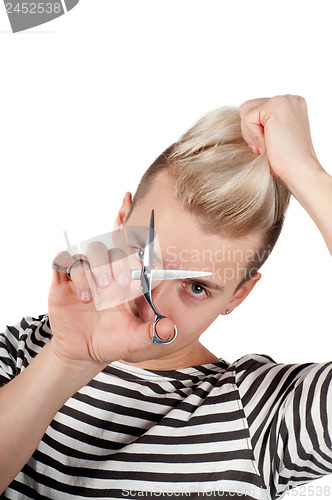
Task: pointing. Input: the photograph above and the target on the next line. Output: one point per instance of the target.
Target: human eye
(139, 252)
(195, 290)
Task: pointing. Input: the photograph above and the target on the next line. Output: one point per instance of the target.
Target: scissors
(146, 275)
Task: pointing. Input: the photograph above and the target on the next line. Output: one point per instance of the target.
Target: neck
(199, 356)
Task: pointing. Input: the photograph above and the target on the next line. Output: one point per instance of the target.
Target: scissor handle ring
(158, 340)
(75, 260)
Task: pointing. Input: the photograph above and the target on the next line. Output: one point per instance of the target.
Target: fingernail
(104, 280)
(254, 149)
(124, 280)
(86, 295)
(260, 150)
(67, 261)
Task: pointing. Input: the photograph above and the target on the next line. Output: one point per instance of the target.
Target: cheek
(192, 321)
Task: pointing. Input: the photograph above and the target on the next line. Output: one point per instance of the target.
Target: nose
(159, 298)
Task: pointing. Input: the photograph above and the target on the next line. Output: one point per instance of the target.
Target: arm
(288, 407)
(279, 126)
(28, 404)
(84, 340)
(313, 189)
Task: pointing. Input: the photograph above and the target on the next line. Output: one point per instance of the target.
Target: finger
(60, 264)
(142, 333)
(79, 277)
(251, 123)
(251, 104)
(118, 276)
(119, 238)
(253, 134)
(120, 267)
(98, 257)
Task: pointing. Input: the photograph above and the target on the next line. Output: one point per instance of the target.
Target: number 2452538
(33, 8)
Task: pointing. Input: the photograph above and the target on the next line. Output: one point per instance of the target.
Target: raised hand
(90, 314)
(279, 126)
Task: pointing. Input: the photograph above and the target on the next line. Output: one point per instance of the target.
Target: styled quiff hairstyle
(218, 179)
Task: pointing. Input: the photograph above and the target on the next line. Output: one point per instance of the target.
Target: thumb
(165, 329)
(143, 333)
(60, 264)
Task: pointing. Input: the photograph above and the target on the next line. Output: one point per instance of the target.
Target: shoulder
(260, 379)
(253, 360)
(257, 370)
(21, 342)
(38, 329)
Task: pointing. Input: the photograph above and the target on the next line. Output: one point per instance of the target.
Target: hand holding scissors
(146, 275)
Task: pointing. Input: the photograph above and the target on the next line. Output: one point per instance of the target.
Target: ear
(123, 212)
(242, 293)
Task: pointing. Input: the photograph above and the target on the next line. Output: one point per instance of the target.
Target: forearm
(313, 189)
(28, 404)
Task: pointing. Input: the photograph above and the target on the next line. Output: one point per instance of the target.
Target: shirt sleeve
(289, 414)
(20, 343)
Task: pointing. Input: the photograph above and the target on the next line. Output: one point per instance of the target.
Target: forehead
(182, 242)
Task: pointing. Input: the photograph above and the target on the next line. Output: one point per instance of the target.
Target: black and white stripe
(253, 428)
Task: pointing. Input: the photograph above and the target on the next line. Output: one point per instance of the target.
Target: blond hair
(228, 188)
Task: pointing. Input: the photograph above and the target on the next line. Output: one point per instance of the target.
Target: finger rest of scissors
(158, 340)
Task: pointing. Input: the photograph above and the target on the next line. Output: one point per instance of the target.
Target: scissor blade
(176, 274)
(149, 246)
(168, 274)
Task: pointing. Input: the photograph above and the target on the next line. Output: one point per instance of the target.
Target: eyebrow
(211, 285)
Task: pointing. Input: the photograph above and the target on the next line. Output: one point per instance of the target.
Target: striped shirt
(251, 429)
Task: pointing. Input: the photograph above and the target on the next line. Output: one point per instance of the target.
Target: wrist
(301, 176)
(74, 373)
(312, 188)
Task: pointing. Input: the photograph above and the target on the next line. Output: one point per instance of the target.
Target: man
(101, 412)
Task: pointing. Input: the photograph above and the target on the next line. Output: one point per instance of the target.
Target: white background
(89, 100)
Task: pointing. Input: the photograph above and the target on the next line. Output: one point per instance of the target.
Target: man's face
(183, 245)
